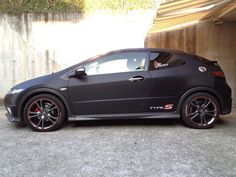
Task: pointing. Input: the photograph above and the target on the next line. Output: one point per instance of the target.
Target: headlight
(14, 91)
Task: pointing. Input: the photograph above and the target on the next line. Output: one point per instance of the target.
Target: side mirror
(80, 72)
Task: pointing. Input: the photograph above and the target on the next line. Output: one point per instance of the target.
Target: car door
(115, 83)
(167, 81)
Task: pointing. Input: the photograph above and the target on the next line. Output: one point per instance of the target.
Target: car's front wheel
(44, 113)
(200, 110)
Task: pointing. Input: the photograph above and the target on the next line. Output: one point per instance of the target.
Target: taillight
(218, 74)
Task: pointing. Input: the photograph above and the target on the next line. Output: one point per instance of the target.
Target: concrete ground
(140, 148)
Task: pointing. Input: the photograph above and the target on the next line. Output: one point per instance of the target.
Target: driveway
(139, 148)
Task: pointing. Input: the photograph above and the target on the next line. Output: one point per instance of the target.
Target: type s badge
(165, 107)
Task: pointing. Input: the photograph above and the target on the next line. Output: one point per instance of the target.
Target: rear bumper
(224, 93)
(226, 107)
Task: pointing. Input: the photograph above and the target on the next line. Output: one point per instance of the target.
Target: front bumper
(12, 114)
(11, 104)
(12, 119)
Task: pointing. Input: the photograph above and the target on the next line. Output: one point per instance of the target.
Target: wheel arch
(39, 91)
(196, 90)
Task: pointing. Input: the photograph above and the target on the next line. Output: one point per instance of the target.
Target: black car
(130, 83)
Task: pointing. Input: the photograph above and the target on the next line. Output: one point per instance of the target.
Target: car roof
(147, 49)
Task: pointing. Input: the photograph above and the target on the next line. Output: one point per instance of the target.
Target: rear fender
(199, 89)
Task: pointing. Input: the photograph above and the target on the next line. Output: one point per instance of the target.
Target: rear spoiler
(209, 62)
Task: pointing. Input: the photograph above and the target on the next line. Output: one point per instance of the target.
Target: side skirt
(124, 116)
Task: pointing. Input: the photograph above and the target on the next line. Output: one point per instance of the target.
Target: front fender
(37, 91)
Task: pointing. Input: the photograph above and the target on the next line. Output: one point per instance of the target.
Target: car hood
(43, 80)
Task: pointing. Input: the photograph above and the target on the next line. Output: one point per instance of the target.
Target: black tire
(44, 113)
(200, 110)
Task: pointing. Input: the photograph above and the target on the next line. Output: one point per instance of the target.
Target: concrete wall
(213, 41)
(24, 53)
(33, 44)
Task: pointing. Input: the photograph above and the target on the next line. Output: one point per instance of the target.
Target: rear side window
(163, 60)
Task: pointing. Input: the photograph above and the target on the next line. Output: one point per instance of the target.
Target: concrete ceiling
(182, 13)
(230, 16)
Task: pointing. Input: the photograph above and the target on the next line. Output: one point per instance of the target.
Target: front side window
(117, 63)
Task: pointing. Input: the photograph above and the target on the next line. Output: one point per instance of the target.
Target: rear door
(115, 83)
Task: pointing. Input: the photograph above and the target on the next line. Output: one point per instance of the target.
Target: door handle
(136, 79)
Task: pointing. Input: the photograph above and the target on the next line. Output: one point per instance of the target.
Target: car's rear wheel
(44, 113)
(200, 110)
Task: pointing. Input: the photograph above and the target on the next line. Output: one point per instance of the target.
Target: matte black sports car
(131, 83)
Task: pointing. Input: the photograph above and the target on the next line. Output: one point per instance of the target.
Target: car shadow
(115, 122)
(20, 125)
(222, 121)
(225, 121)
(125, 122)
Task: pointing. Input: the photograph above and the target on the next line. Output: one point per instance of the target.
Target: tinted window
(158, 60)
(117, 63)
(163, 60)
